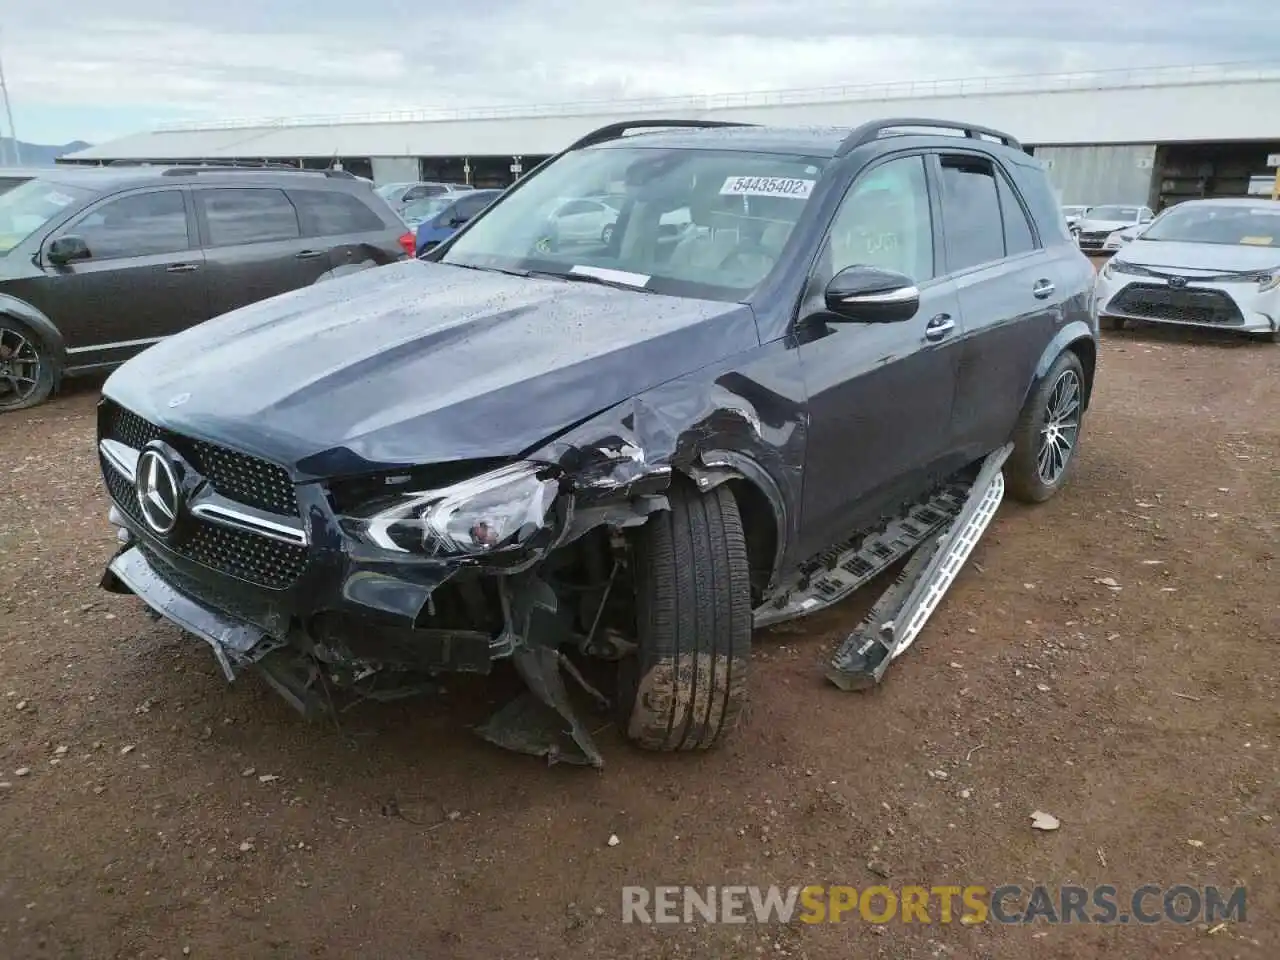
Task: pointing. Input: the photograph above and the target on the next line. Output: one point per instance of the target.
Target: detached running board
(836, 574)
(903, 609)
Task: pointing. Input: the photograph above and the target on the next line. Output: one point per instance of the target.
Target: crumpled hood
(1193, 257)
(419, 362)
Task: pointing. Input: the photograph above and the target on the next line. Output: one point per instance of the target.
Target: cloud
(82, 69)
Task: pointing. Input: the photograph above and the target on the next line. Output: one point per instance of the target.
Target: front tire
(687, 683)
(1047, 433)
(27, 373)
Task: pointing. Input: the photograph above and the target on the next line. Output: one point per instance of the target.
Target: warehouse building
(1154, 136)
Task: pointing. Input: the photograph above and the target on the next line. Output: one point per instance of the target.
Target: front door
(880, 394)
(144, 278)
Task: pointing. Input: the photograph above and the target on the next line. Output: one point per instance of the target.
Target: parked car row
(97, 264)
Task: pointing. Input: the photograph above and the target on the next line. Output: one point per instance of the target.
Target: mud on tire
(687, 683)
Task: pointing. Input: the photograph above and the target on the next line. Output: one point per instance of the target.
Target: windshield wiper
(589, 278)
(509, 272)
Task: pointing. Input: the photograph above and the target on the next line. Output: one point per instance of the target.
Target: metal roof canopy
(1153, 105)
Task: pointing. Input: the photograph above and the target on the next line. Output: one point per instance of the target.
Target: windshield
(28, 207)
(426, 209)
(1237, 224)
(1075, 211)
(1113, 213)
(702, 223)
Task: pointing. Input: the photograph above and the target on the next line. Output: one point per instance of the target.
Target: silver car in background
(1202, 263)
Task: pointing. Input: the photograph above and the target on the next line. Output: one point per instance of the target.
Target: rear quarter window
(1033, 184)
(326, 213)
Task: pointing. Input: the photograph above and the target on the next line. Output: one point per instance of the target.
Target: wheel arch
(50, 336)
(1078, 338)
(760, 505)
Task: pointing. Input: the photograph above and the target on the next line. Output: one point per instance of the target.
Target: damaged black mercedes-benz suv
(630, 440)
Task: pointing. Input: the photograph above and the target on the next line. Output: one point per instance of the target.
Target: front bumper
(1160, 298)
(352, 612)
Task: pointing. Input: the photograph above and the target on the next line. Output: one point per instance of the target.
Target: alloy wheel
(19, 367)
(1061, 428)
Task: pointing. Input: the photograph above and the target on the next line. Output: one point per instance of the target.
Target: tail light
(409, 242)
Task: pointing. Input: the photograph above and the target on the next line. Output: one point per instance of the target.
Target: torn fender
(742, 419)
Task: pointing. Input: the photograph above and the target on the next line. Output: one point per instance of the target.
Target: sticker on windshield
(1257, 241)
(614, 276)
(58, 199)
(767, 187)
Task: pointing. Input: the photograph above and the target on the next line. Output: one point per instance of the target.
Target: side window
(884, 221)
(249, 215)
(469, 207)
(415, 193)
(326, 213)
(578, 206)
(1018, 237)
(139, 225)
(971, 212)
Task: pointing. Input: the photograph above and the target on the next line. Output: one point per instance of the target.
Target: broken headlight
(507, 510)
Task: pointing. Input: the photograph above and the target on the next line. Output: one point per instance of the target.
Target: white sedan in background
(1093, 229)
(1202, 263)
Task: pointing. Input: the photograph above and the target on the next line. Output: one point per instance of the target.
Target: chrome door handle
(309, 254)
(1043, 289)
(181, 268)
(939, 327)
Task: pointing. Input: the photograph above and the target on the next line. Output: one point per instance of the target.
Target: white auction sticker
(768, 187)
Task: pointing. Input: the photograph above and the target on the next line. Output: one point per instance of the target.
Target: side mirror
(66, 249)
(871, 295)
(458, 220)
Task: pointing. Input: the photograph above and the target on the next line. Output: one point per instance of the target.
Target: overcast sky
(96, 70)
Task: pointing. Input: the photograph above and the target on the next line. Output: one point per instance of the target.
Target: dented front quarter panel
(743, 418)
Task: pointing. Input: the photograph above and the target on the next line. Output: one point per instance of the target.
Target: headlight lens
(1269, 280)
(503, 511)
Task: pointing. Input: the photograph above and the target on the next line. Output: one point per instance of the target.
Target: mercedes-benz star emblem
(159, 495)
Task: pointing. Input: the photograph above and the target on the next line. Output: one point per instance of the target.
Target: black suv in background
(98, 263)
(629, 449)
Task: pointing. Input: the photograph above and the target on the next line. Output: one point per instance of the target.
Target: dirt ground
(148, 823)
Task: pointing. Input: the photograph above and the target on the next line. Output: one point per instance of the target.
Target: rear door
(346, 228)
(144, 280)
(254, 245)
(1009, 302)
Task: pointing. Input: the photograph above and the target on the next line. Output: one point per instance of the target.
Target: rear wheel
(27, 372)
(687, 683)
(606, 235)
(1047, 433)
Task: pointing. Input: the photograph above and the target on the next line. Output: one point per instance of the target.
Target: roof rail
(190, 170)
(615, 130)
(868, 132)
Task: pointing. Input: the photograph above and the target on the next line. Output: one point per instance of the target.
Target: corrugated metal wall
(1120, 173)
(395, 169)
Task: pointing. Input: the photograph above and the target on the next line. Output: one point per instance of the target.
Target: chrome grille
(236, 553)
(238, 476)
